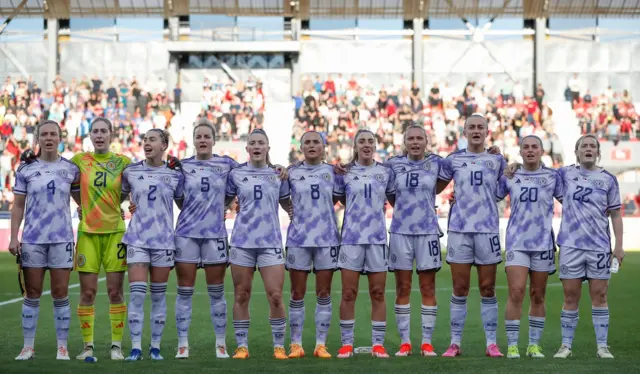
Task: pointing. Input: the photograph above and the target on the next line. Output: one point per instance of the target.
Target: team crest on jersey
(166, 179)
(427, 166)
(380, 177)
(598, 183)
(82, 260)
(63, 173)
(272, 178)
(111, 165)
(489, 164)
(510, 256)
(564, 269)
(326, 176)
(542, 181)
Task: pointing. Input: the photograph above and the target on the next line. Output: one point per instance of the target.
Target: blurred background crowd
(336, 107)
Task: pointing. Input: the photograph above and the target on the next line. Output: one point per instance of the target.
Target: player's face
(312, 146)
(258, 147)
(365, 146)
(588, 152)
(49, 138)
(476, 131)
(100, 136)
(152, 144)
(531, 151)
(203, 140)
(415, 142)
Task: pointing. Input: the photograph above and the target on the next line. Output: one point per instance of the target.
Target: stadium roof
(305, 9)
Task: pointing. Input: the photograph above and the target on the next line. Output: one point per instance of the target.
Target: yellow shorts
(94, 250)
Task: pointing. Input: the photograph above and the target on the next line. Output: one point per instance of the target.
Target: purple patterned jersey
(153, 190)
(314, 219)
(588, 197)
(259, 191)
(415, 184)
(202, 214)
(532, 194)
(48, 187)
(475, 177)
(366, 189)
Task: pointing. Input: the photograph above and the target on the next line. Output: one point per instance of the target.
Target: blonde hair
(475, 115)
(414, 127)
(354, 158)
(261, 132)
(579, 143)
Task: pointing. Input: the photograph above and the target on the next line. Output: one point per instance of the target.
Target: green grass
(624, 335)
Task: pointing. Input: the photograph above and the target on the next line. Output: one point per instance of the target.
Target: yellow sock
(117, 314)
(86, 316)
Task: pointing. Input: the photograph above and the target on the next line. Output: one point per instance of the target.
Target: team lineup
(204, 186)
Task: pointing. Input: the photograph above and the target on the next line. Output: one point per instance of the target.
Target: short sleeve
(75, 185)
(232, 189)
(503, 165)
(126, 187)
(285, 190)
(613, 195)
(179, 192)
(446, 169)
(391, 183)
(503, 189)
(338, 186)
(20, 187)
(558, 191)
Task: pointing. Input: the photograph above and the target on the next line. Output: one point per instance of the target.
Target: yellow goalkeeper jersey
(100, 188)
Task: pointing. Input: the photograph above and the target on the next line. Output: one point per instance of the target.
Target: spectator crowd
(611, 115)
(234, 108)
(338, 107)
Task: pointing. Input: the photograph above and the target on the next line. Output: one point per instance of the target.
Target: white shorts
(365, 258)
(256, 257)
(580, 264)
(424, 249)
(156, 258)
(52, 255)
(201, 251)
(473, 248)
(544, 261)
(316, 258)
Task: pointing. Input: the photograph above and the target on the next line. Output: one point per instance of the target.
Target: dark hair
(104, 120)
(404, 136)
(39, 126)
(262, 132)
(354, 158)
(579, 142)
(203, 122)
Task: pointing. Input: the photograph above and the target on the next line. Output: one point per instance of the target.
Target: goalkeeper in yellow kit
(100, 234)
